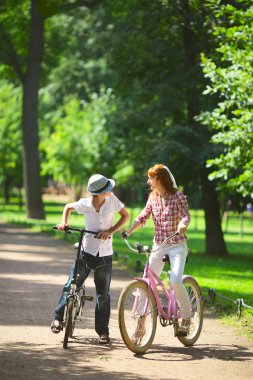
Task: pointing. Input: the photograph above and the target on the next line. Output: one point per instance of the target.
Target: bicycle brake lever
(67, 230)
(138, 246)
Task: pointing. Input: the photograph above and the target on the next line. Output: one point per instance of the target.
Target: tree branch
(51, 9)
(81, 3)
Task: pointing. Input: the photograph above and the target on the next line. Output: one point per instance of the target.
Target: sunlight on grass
(230, 276)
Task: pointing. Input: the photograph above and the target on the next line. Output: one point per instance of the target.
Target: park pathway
(33, 268)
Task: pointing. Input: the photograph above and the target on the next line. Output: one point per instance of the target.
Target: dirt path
(32, 271)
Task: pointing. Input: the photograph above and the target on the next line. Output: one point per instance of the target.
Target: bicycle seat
(166, 259)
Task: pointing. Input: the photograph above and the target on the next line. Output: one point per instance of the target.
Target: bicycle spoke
(137, 316)
(195, 298)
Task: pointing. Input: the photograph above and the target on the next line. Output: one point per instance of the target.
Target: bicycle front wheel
(137, 316)
(69, 321)
(195, 296)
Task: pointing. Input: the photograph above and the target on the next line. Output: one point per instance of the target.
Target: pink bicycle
(147, 297)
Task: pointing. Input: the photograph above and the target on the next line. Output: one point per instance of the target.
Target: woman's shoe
(184, 328)
(139, 332)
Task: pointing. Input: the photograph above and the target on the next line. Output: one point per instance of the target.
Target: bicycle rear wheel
(69, 321)
(195, 296)
(137, 316)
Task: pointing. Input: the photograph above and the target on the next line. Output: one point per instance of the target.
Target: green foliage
(14, 38)
(230, 74)
(67, 41)
(124, 172)
(73, 52)
(158, 84)
(10, 136)
(73, 150)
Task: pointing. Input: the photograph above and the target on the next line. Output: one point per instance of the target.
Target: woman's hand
(181, 228)
(124, 234)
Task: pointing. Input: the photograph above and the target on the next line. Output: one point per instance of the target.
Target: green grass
(230, 276)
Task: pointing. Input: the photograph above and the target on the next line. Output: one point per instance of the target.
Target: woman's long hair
(160, 172)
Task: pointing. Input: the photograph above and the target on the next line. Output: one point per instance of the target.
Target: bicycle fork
(81, 297)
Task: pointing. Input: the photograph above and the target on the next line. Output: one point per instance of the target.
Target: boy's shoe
(104, 339)
(56, 326)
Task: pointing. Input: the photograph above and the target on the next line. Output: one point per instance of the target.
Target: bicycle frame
(153, 281)
(82, 231)
(143, 300)
(73, 282)
(75, 297)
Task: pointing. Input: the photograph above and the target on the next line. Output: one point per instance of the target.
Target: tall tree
(25, 62)
(157, 65)
(74, 149)
(31, 82)
(21, 51)
(10, 139)
(194, 16)
(230, 73)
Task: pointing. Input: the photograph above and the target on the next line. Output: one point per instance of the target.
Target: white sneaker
(139, 332)
(184, 328)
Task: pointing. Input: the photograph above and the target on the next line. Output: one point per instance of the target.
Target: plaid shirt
(166, 213)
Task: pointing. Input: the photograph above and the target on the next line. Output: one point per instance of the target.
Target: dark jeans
(102, 267)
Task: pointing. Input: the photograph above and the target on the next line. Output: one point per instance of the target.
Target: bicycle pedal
(88, 298)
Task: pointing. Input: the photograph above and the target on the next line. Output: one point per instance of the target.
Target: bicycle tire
(69, 328)
(197, 311)
(130, 308)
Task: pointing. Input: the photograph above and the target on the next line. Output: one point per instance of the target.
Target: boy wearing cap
(98, 211)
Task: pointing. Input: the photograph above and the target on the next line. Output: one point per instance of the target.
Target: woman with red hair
(169, 209)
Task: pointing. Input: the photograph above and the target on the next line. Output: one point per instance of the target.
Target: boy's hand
(104, 234)
(62, 227)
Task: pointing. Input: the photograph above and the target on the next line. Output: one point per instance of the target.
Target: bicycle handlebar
(144, 249)
(69, 229)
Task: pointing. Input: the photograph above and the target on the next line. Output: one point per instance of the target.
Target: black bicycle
(76, 297)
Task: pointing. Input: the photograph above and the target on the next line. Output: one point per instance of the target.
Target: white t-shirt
(98, 221)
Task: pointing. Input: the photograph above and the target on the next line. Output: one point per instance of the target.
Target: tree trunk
(215, 244)
(31, 164)
(6, 188)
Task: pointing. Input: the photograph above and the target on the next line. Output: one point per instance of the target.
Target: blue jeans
(102, 267)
